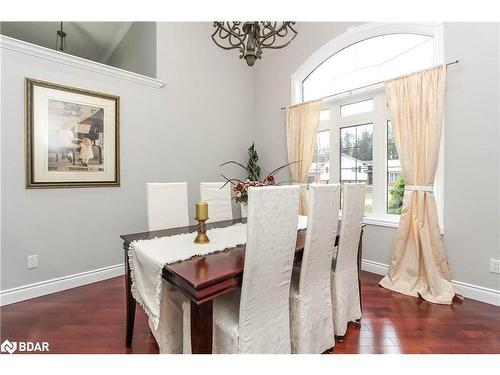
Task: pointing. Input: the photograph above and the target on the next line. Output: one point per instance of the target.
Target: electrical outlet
(32, 261)
(495, 265)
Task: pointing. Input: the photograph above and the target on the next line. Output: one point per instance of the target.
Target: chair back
(353, 207)
(167, 205)
(322, 224)
(219, 200)
(264, 319)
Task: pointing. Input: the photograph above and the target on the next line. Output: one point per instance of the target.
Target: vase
(244, 209)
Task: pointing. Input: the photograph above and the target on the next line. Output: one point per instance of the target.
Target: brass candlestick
(201, 216)
(201, 238)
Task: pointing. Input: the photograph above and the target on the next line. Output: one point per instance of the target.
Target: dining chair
(346, 302)
(311, 323)
(167, 205)
(256, 319)
(218, 199)
(168, 208)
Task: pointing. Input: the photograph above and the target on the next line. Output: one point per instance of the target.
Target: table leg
(201, 327)
(130, 301)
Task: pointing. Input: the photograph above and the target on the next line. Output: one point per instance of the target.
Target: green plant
(252, 166)
(396, 196)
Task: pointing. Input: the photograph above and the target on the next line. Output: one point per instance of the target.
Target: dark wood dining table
(201, 279)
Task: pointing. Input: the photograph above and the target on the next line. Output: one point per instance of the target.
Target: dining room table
(203, 278)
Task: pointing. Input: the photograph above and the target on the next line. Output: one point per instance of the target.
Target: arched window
(355, 142)
(369, 61)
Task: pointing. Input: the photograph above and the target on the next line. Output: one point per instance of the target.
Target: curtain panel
(418, 265)
(302, 122)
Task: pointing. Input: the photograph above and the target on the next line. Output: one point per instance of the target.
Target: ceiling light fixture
(61, 39)
(250, 38)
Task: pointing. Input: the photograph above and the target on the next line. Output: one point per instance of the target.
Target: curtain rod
(350, 91)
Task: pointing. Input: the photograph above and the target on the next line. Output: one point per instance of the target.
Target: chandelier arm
(271, 26)
(281, 32)
(223, 46)
(227, 34)
(236, 28)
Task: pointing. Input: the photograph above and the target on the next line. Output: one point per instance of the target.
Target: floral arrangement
(240, 188)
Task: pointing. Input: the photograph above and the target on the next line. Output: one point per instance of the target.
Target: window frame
(378, 117)
(315, 153)
(357, 34)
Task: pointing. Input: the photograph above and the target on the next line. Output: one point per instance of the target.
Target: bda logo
(24, 346)
(8, 346)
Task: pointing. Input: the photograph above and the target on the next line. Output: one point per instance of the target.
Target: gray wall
(209, 101)
(137, 50)
(472, 209)
(202, 117)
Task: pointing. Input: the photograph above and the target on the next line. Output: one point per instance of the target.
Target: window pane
(324, 114)
(369, 61)
(356, 108)
(320, 166)
(395, 181)
(356, 158)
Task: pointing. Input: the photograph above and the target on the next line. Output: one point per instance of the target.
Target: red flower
(270, 180)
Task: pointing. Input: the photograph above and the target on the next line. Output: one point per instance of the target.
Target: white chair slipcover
(257, 319)
(219, 200)
(311, 323)
(168, 208)
(167, 205)
(345, 288)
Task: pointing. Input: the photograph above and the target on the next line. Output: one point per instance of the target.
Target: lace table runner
(148, 257)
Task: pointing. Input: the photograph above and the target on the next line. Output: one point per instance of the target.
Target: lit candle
(201, 211)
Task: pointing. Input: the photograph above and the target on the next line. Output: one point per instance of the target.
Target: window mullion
(334, 144)
(378, 167)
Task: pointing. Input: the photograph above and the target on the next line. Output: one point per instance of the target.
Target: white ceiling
(91, 40)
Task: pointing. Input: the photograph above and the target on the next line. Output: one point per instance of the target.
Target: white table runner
(148, 257)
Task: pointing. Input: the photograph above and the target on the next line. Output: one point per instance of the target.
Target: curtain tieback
(419, 188)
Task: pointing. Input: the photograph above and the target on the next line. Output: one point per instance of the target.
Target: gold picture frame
(72, 136)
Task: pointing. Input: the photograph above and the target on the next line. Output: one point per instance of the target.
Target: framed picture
(72, 137)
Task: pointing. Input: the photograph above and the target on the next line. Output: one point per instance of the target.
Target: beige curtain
(418, 265)
(302, 122)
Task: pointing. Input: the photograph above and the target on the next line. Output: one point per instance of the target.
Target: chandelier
(250, 38)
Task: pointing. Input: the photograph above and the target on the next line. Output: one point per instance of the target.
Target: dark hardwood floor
(91, 319)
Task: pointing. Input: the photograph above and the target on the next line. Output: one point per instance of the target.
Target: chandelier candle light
(250, 38)
(201, 217)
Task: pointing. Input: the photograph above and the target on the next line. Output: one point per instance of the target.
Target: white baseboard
(374, 267)
(475, 292)
(478, 293)
(25, 292)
